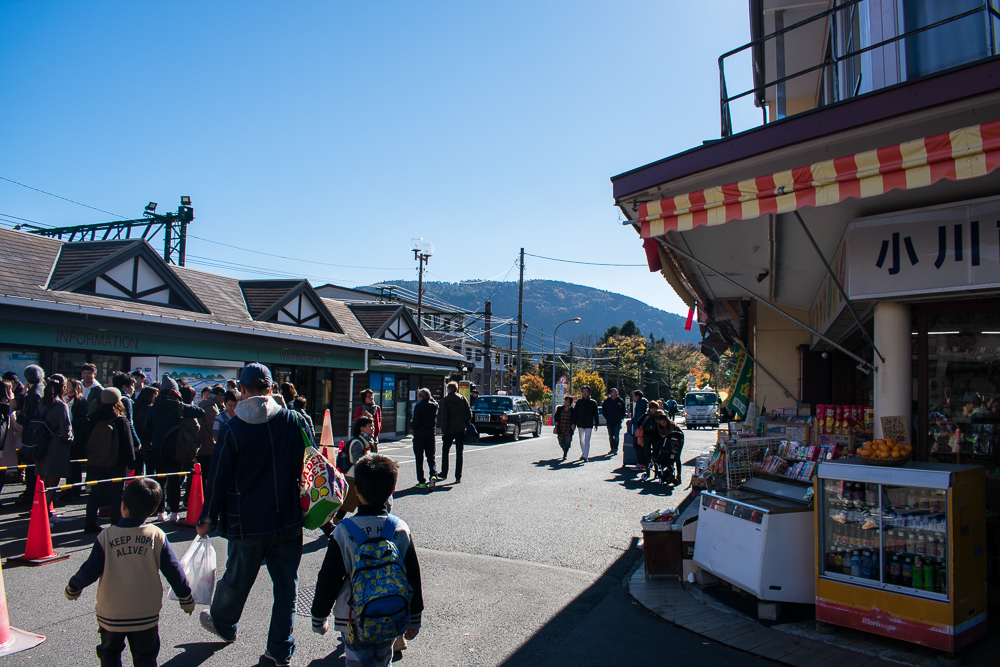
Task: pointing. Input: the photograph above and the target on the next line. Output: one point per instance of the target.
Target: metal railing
(832, 60)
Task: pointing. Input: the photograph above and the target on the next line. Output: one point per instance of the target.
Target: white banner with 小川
(941, 249)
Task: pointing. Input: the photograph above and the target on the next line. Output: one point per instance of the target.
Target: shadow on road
(558, 464)
(630, 479)
(548, 638)
(198, 653)
(414, 491)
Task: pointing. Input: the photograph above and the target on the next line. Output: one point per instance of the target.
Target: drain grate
(303, 606)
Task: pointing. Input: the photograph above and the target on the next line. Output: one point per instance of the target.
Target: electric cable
(2, 178)
(573, 261)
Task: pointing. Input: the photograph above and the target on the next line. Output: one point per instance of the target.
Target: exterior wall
(776, 342)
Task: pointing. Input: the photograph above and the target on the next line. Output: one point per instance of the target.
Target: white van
(701, 408)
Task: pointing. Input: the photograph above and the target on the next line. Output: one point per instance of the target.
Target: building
(118, 305)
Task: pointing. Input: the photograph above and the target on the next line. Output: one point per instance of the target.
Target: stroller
(665, 455)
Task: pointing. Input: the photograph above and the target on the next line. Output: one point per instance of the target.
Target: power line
(8, 215)
(296, 259)
(573, 261)
(122, 217)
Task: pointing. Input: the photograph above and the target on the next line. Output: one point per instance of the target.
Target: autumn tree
(533, 388)
(592, 380)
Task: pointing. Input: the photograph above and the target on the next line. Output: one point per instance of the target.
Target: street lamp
(421, 252)
(574, 319)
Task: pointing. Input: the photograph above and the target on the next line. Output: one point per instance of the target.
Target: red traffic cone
(196, 500)
(326, 437)
(38, 550)
(13, 640)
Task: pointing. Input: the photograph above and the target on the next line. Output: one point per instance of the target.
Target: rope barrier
(32, 465)
(65, 487)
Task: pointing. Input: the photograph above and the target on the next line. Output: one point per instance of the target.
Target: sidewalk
(797, 643)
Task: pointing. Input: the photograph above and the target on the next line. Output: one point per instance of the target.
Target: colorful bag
(321, 489)
(380, 592)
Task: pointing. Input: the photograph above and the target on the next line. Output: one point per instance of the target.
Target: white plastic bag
(198, 565)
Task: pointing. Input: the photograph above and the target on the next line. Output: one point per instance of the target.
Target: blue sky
(334, 132)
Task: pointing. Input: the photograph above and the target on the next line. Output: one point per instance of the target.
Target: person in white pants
(586, 417)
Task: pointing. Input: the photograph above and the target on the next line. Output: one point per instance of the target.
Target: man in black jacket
(455, 415)
(613, 410)
(424, 424)
(34, 376)
(586, 416)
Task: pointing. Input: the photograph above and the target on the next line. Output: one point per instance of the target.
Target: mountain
(549, 302)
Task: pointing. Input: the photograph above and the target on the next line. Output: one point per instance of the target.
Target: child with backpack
(109, 455)
(371, 572)
(128, 558)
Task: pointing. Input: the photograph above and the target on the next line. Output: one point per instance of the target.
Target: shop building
(851, 240)
(118, 305)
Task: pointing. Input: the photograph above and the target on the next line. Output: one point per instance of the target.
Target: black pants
(204, 461)
(446, 440)
(424, 447)
(614, 429)
(29, 479)
(162, 461)
(105, 493)
(77, 451)
(144, 645)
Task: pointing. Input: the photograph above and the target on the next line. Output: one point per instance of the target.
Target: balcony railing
(834, 89)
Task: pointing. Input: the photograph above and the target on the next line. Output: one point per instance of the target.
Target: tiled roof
(30, 259)
(373, 317)
(262, 294)
(76, 257)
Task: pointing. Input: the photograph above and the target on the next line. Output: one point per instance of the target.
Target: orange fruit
(896, 454)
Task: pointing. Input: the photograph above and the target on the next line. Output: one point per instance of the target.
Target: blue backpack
(380, 594)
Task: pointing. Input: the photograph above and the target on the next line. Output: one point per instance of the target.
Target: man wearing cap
(213, 406)
(163, 421)
(253, 499)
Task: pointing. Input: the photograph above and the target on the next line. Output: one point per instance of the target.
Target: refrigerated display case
(901, 551)
(759, 538)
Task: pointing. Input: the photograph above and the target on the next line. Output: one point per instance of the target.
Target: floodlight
(151, 207)
(185, 201)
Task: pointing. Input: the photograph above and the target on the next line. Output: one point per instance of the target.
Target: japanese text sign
(897, 428)
(941, 249)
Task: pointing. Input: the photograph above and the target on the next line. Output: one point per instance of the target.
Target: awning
(961, 154)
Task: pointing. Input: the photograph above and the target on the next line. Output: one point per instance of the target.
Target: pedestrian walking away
(253, 499)
(424, 425)
(671, 408)
(110, 455)
(613, 410)
(586, 417)
(166, 420)
(563, 420)
(455, 416)
(130, 595)
(382, 543)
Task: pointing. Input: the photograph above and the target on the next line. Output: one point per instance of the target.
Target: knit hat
(33, 373)
(167, 383)
(111, 396)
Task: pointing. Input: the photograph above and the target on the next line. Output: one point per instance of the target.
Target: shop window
(468, 354)
(69, 364)
(479, 355)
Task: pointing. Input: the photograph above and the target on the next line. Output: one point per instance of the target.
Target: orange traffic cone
(38, 550)
(196, 500)
(326, 437)
(13, 640)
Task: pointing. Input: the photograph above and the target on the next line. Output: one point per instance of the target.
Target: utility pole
(421, 252)
(571, 368)
(520, 323)
(618, 363)
(487, 355)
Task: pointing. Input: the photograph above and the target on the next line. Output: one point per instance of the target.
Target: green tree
(592, 380)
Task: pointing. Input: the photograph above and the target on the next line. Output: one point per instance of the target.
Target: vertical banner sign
(739, 390)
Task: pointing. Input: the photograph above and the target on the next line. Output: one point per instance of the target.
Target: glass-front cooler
(901, 551)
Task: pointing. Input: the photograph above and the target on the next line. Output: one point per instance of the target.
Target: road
(523, 563)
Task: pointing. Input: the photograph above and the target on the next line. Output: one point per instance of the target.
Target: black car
(505, 416)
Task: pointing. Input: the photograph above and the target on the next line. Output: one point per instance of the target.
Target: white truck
(701, 408)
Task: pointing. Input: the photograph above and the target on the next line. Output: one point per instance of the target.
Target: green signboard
(739, 390)
(126, 342)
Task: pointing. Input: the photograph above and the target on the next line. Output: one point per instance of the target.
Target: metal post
(779, 63)
(520, 321)
(420, 290)
(487, 355)
(571, 368)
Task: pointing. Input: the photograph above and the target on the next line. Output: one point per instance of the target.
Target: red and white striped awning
(961, 154)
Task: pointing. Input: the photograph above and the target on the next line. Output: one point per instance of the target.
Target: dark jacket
(424, 421)
(139, 421)
(205, 439)
(163, 416)
(129, 406)
(81, 425)
(253, 479)
(613, 410)
(455, 413)
(639, 412)
(32, 399)
(585, 413)
(126, 451)
(557, 420)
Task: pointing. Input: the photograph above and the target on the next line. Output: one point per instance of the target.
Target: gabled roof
(387, 321)
(288, 302)
(121, 269)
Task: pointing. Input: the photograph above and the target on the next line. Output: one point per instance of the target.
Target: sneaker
(55, 518)
(91, 528)
(173, 518)
(164, 516)
(441, 476)
(458, 480)
(421, 485)
(206, 622)
(279, 663)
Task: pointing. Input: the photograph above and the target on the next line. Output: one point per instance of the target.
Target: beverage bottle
(918, 573)
(895, 571)
(911, 543)
(831, 559)
(876, 565)
(921, 545)
(866, 565)
(856, 564)
(906, 573)
(847, 562)
(838, 561)
(930, 575)
(942, 576)
(932, 548)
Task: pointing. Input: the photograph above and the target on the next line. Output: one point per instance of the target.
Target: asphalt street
(523, 563)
